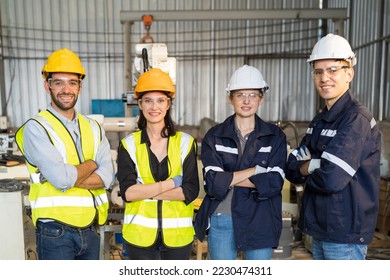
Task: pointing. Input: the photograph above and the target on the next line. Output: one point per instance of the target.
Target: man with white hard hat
(244, 160)
(338, 160)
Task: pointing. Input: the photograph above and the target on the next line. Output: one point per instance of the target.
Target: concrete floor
(298, 252)
(379, 249)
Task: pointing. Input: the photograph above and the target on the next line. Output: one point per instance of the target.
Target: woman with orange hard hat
(158, 177)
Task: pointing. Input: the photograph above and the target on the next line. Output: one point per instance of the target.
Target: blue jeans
(158, 251)
(222, 245)
(335, 251)
(56, 241)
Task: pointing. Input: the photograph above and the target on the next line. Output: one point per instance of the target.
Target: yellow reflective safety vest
(142, 218)
(76, 207)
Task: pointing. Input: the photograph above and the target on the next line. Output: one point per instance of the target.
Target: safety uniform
(340, 199)
(144, 219)
(75, 207)
(256, 213)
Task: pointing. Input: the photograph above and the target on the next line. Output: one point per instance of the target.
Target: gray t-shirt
(225, 207)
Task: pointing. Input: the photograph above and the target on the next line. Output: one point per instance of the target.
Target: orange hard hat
(154, 80)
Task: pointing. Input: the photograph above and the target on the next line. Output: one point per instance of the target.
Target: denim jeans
(56, 241)
(222, 245)
(335, 251)
(158, 251)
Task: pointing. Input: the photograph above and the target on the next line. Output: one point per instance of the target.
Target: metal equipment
(6, 142)
(7, 139)
(18, 233)
(154, 55)
(149, 55)
(148, 20)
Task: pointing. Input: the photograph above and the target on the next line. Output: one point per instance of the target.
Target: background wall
(207, 53)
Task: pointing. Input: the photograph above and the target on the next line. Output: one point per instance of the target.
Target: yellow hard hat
(154, 80)
(63, 60)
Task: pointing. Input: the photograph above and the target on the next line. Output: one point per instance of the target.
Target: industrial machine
(149, 54)
(153, 55)
(17, 233)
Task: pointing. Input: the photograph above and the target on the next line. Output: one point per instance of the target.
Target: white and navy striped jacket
(340, 200)
(256, 213)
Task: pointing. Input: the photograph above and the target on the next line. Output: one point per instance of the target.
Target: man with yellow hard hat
(69, 161)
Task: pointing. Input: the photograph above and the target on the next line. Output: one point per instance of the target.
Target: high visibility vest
(76, 206)
(141, 220)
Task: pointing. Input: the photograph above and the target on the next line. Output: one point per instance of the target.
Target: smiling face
(246, 102)
(64, 89)
(332, 84)
(154, 106)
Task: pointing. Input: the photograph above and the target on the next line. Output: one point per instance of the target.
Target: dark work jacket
(340, 199)
(256, 213)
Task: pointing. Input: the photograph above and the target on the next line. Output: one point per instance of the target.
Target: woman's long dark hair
(170, 127)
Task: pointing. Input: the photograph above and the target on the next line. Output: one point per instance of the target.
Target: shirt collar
(341, 105)
(145, 137)
(61, 117)
(228, 128)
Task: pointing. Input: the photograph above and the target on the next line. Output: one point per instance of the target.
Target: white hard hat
(333, 47)
(247, 77)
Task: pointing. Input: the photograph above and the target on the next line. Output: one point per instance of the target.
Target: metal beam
(336, 13)
(3, 97)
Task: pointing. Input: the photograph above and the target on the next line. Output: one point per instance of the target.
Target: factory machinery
(17, 233)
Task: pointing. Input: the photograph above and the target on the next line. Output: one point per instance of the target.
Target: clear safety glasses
(250, 96)
(160, 102)
(58, 84)
(330, 72)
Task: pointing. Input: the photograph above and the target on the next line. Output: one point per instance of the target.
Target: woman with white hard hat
(244, 160)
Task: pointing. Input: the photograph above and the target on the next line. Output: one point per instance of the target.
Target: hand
(303, 153)
(178, 181)
(313, 165)
(259, 170)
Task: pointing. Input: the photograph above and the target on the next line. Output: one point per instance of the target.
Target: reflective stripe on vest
(76, 206)
(141, 217)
